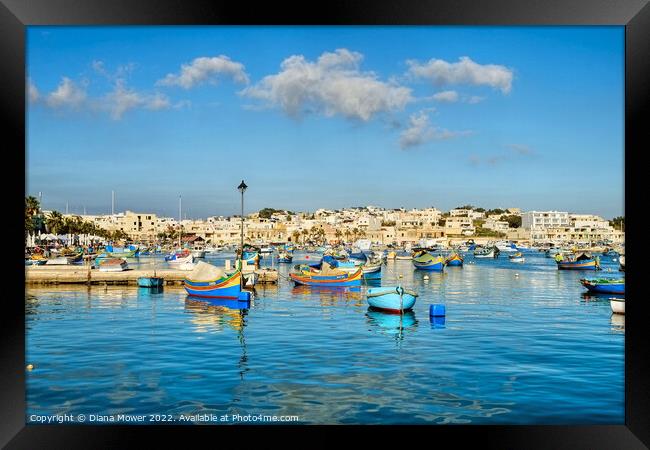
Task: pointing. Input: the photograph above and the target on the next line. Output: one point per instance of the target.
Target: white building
(541, 220)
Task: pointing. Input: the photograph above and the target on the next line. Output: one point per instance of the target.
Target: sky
(325, 117)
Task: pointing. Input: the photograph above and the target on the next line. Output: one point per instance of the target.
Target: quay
(71, 274)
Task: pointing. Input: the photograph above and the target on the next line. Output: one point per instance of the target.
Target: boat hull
(343, 280)
(226, 287)
(455, 261)
(577, 265)
(604, 288)
(617, 305)
(388, 299)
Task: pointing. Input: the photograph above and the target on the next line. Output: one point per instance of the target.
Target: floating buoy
(400, 275)
(437, 310)
(516, 274)
(30, 366)
(426, 277)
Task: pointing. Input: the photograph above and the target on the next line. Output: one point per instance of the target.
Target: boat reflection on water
(618, 322)
(390, 323)
(437, 322)
(594, 297)
(331, 295)
(212, 314)
(148, 291)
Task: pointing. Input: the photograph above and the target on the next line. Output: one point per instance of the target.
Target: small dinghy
(150, 282)
(391, 299)
(617, 305)
(517, 257)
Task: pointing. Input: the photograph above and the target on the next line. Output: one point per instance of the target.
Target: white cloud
(333, 85)
(474, 99)
(67, 94)
(446, 96)
(32, 92)
(123, 99)
(420, 131)
(206, 69)
(465, 71)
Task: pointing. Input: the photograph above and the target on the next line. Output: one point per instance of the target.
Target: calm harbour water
(521, 344)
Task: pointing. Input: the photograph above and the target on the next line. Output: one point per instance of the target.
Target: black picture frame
(15, 15)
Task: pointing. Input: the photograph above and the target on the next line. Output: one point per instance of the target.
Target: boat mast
(180, 223)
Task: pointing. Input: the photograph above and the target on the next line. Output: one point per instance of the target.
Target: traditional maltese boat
(391, 299)
(209, 281)
(327, 276)
(427, 261)
(604, 285)
(285, 257)
(580, 261)
(486, 252)
(454, 259)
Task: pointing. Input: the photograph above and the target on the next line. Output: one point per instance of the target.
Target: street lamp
(242, 188)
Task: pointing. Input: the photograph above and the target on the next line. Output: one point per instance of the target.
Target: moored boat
(427, 261)
(404, 255)
(112, 264)
(285, 257)
(486, 252)
(327, 277)
(617, 305)
(391, 299)
(454, 259)
(371, 270)
(207, 280)
(576, 261)
(604, 285)
(516, 257)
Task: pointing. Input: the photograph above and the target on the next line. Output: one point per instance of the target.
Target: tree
(618, 223)
(338, 234)
(514, 221)
(54, 222)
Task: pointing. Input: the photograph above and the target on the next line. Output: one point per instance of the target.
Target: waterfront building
(540, 220)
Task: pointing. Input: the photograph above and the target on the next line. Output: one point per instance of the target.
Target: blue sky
(530, 117)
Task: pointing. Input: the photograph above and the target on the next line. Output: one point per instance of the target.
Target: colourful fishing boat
(516, 257)
(454, 259)
(285, 257)
(326, 277)
(391, 299)
(581, 261)
(209, 281)
(404, 255)
(427, 261)
(604, 285)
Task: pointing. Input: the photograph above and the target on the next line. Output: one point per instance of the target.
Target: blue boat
(150, 282)
(604, 285)
(285, 257)
(427, 261)
(454, 259)
(579, 261)
(251, 257)
(393, 299)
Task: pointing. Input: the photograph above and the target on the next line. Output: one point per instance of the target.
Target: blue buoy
(437, 310)
(244, 296)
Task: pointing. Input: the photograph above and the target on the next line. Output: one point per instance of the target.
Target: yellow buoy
(30, 366)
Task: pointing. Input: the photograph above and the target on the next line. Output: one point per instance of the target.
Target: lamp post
(242, 188)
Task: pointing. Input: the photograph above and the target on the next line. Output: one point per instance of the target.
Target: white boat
(268, 249)
(517, 257)
(198, 252)
(113, 265)
(180, 261)
(621, 260)
(506, 246)
(617, 305)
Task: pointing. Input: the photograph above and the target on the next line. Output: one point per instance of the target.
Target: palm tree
(32, 207)
(295, 235)
(54, 222)
(305, 233)
(338, 235)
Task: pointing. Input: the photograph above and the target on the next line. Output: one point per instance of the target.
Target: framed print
(372, 219)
